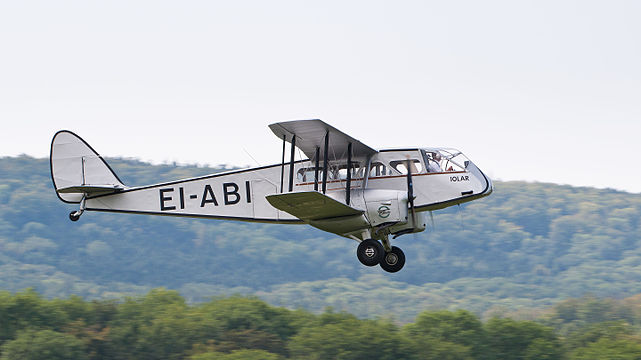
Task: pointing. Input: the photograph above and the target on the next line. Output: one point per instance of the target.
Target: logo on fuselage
(384, 211)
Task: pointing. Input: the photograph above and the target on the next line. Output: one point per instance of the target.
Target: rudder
(77, 170)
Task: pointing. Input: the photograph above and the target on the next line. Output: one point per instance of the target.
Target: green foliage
(239, 313)
(237, 355)
(588, 334)
(510, 339)
(345, 337)
(609, 349)
(578, 313)
(445, 334)
(161, 325)
(28, 309)
(542, 349)
(43, 344)
(153, 326)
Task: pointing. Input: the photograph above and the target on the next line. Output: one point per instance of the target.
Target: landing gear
(370, 252)
(393, 260)
(74, 216)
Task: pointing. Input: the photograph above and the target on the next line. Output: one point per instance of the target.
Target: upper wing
(310, 134)
(311, 205)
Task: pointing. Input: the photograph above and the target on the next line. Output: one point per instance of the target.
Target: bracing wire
(250, 155)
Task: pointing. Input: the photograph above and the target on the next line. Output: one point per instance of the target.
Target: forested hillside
(527, 245)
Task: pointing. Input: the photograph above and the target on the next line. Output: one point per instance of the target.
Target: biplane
(343, 187)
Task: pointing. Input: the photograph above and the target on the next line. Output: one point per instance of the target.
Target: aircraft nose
(488, 187)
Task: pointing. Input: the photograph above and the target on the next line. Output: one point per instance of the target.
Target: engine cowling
(389, 209)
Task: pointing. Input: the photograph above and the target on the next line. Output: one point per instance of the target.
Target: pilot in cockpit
(434, 163)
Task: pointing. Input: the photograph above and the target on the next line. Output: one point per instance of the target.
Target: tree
(349, 338)
(542, 349)
(241, 313)
(439, 334)
(237, 355)
(154, 326)
(27, 309)
(588, 334)
(43, 344)
(609, 349)
(509, 339)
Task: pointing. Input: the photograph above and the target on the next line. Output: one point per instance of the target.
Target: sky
(546, 91)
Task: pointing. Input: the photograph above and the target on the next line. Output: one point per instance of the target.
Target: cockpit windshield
(442, 160)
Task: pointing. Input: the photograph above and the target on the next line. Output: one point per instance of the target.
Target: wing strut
(410, 193)
(348, 188)
(325, 161)
(282, 166)
(316, 169)
(291, 164)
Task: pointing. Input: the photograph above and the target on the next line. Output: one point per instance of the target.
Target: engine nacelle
(409, 226)
(385, 206)
(389, 209)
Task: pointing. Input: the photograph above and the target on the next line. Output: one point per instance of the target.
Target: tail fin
(77, 170)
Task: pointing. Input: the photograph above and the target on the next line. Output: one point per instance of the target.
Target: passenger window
(300, 175)
(401, 166)
(307, 175)
(357, 172)
(333, 173)
(378, 169)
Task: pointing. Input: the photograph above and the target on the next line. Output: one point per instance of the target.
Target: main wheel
(73, 216)
(370, 252)
(394, 260)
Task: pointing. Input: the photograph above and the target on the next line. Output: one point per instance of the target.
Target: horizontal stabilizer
(91, 189)
(311, 205)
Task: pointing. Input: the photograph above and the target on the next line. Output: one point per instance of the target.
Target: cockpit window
(401, 166)
(444, 160)
(433, 160)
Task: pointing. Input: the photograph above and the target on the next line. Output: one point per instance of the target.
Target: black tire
(394, 260)
(73, 216)
(370, 252)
